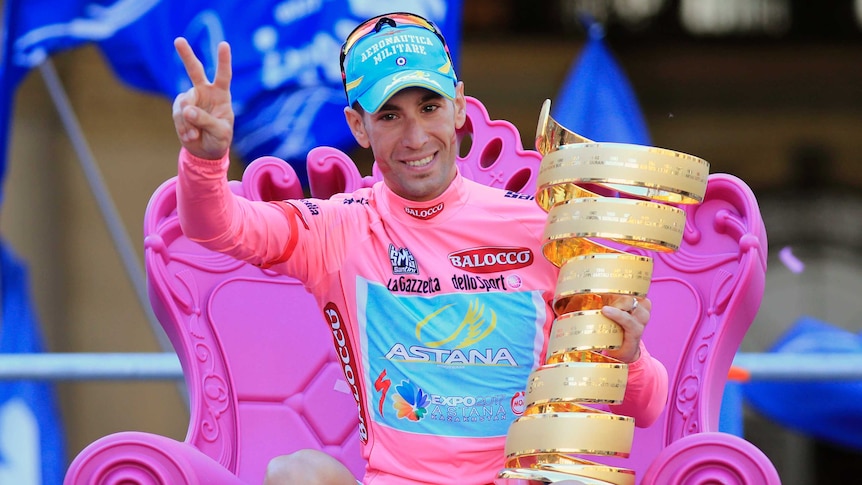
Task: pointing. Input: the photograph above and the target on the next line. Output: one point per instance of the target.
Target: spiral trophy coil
(558, 424)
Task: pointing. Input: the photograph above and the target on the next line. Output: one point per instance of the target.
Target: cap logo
(411, 76)
(352, 84)
(396, 44)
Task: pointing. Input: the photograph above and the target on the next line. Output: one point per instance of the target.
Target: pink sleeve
(646, 390)
(210, 214)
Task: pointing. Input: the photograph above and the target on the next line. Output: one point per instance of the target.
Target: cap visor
(373, 99)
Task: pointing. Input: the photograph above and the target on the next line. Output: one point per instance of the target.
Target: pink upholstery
(263, 379)
(256, 356)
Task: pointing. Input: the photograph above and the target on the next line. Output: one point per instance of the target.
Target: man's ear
(357, 127)
(460, 105)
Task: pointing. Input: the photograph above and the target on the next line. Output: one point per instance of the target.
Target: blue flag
(827, 410)
(596, 100)
(286, 87)
(32, 442)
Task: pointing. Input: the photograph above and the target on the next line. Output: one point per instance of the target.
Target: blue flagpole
(103, 199)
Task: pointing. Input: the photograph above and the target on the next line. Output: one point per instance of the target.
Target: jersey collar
(435, 211)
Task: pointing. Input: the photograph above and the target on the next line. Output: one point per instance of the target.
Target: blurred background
(767, 90)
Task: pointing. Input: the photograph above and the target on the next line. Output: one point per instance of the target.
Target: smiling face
(413, 140)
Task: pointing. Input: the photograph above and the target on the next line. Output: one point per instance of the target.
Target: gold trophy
(585, 237)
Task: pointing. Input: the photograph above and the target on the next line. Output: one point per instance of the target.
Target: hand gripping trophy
(586, 236)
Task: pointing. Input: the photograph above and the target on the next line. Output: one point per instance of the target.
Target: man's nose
(414, 135)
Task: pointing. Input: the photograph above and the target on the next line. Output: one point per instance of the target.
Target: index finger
(194, 67)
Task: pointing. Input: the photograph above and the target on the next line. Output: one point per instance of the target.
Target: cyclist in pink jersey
(434, 286)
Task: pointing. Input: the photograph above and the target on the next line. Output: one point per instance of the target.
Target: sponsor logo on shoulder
(424, 213)
(491, 259)
(354, 200)
(313, 208)
(517, 195)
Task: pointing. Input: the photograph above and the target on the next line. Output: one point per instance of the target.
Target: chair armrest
(146, 459)
(711, 457)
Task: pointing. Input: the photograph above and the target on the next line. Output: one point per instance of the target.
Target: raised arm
(209, 212)
(203, 115)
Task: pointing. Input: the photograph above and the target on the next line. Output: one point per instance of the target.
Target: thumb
(186, 98)
(204, 120)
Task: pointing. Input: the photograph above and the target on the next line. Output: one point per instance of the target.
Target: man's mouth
(419, 163)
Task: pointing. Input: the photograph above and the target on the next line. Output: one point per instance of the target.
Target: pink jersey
(439, 310)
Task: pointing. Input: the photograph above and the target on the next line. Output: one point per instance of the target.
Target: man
(438, 283)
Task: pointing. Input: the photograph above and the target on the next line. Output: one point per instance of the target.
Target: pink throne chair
(264, 380)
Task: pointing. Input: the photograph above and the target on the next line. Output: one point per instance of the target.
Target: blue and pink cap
(395, 56)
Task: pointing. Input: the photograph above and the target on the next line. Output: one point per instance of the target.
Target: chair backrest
(257, 355)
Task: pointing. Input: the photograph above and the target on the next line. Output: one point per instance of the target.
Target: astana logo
(473, 329)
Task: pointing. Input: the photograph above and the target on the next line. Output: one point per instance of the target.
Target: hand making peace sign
(203, 115)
